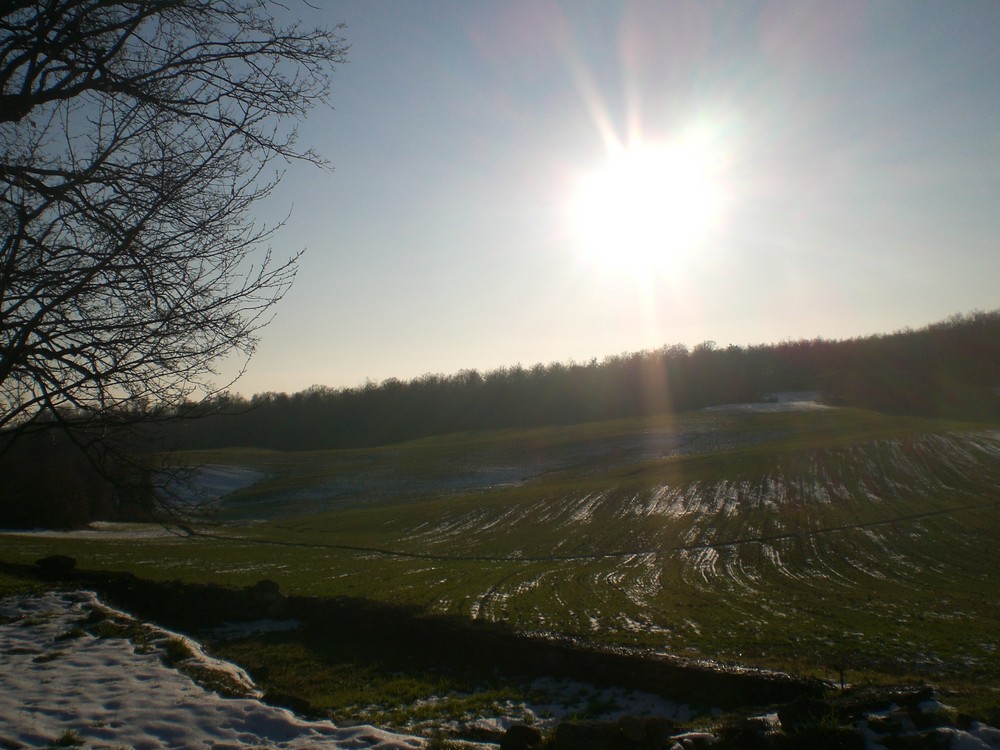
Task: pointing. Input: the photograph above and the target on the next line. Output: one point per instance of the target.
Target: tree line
(951, 368)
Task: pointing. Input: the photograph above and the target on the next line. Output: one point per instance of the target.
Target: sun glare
(648, 205)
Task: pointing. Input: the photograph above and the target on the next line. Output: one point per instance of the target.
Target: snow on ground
(60, 686)
(198, 487)
(784, 401)
(554, 701)
(57, 680)
(977, 736)
(209, 482)
(102, 530)
(573, 698)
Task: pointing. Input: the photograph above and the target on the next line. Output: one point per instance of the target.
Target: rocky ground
(864, 719)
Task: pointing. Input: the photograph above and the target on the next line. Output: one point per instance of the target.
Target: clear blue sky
(849, 152)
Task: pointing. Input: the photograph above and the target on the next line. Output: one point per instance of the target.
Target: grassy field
(815, 542)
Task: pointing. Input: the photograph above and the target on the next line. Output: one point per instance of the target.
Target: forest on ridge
(947, 369)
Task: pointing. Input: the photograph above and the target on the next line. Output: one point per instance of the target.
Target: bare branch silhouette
(135, 138)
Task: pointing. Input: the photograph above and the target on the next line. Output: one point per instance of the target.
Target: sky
(537, 181)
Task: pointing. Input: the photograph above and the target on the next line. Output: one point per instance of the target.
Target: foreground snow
(55, 680)
(60, 686)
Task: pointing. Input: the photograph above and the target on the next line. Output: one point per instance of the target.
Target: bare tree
(135, 137)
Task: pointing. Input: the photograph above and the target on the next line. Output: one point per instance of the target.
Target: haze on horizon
(540, 181)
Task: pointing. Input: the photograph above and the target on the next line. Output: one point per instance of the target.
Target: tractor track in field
(619, 554)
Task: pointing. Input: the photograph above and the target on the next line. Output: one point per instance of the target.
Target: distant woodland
(951, 368)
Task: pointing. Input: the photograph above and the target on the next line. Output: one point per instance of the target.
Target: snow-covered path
(56, 680)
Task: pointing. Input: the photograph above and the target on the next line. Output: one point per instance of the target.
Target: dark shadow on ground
(444, 642)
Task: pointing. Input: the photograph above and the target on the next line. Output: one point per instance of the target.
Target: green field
(809, 541)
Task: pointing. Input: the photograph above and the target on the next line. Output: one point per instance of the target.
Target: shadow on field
(446, 642)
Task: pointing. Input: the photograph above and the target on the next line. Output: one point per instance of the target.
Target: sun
(648, 205)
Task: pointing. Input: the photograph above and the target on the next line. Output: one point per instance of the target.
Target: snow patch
(56, 679)
(207, 483)
(784, 401)
(102, 530)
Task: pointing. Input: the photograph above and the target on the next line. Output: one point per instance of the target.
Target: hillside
(840, 543)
